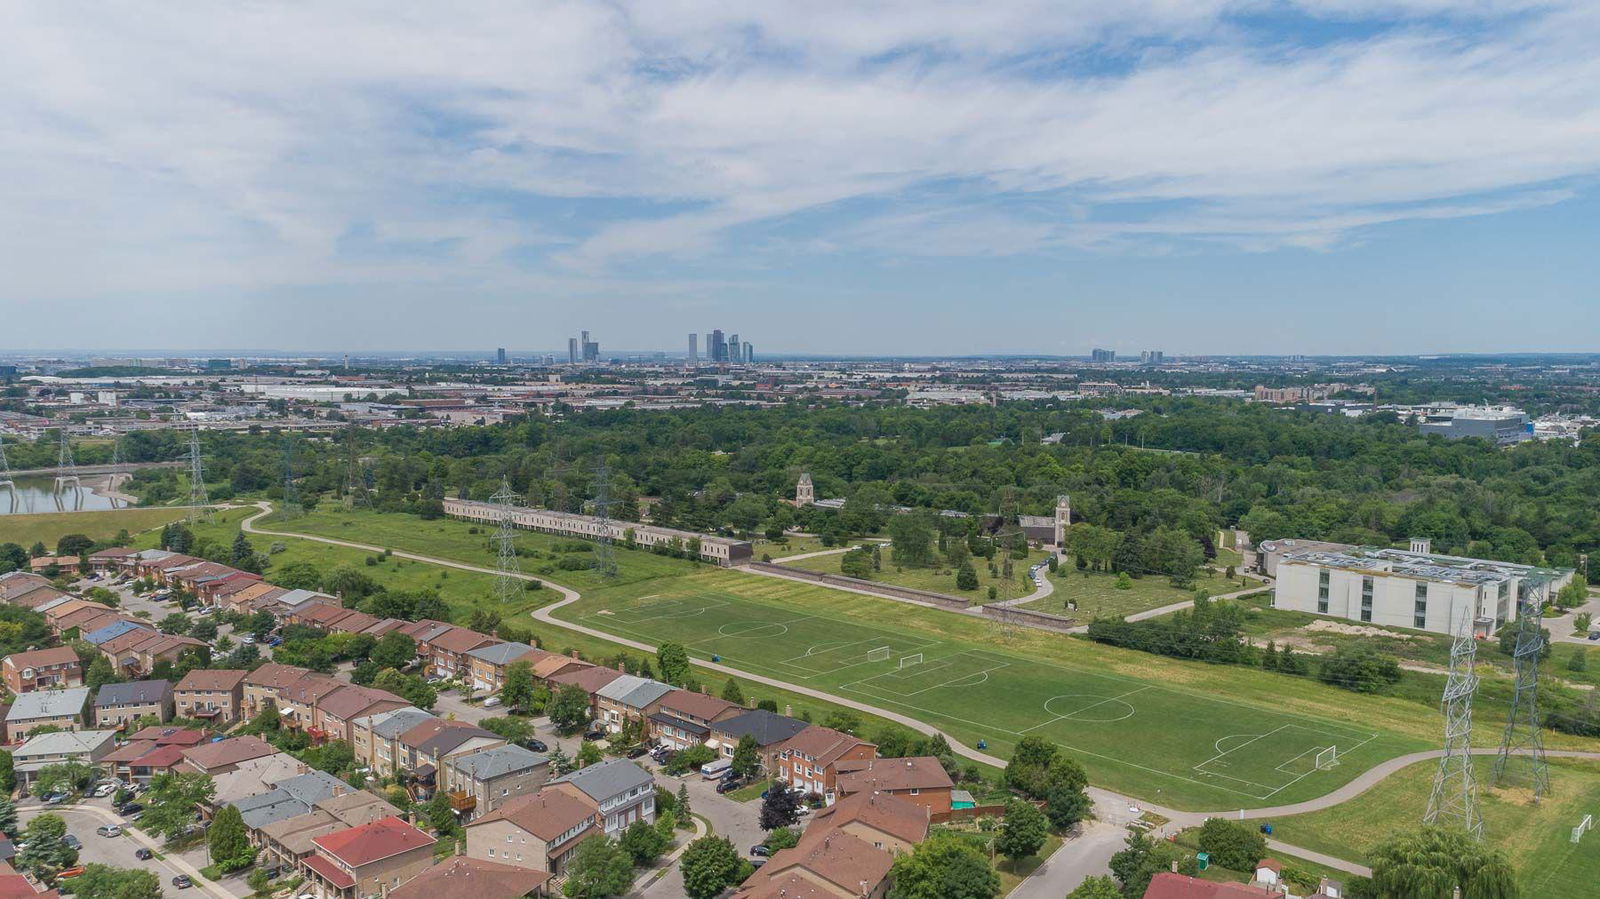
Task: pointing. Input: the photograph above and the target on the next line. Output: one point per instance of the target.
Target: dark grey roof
(390, 725)
(500, 653)
(767, 727)
(489, 764)
(603, 780)
(688, 727)
(293, 797)
(139, 692)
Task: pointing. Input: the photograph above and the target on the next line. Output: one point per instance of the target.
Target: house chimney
(573, 653)
(1174, 866)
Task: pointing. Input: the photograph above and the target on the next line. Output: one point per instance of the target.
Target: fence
(890, 590)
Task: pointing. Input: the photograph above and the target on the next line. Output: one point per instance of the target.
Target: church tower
(1063, 518)
(804, 493)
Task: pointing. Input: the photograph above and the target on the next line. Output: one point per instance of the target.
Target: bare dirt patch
(1354, 630)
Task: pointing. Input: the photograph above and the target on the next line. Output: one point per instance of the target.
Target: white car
(491, 702)
(248, 639)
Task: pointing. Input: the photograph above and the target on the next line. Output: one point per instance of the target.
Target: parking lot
(149, 610)
(84, 817)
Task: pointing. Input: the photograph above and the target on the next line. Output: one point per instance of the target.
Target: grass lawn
(795, 546)
(1191, 736)
(103, 524)
(1097, 595)
(750, 791)
(447, 538)
(1536, 838)
(943, 580)
(1011, 875)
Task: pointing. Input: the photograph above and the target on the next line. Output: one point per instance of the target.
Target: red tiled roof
(1167, 885)
(329, 871)
(459, 639)
(368, 843)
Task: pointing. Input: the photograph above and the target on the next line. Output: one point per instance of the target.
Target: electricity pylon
(605, 560)
(67, 474)
(1522, 737)
(199, 503)
(1454, 801)
(508, 573)
(6, 483)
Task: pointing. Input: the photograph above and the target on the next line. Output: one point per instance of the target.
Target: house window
(916, 791)
(1322, 592)
(1366, 599)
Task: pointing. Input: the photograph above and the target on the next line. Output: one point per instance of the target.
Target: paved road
(1110, 807)
(1042, 584)
(118, 852)
(1078, 858)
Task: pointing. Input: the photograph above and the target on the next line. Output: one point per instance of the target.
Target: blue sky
(1197, 176)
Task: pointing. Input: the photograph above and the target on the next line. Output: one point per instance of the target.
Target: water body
(35, 495)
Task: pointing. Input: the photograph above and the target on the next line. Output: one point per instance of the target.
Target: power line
(1522, 736)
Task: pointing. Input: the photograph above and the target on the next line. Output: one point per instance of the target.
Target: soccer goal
(913, 659)
(1583, 827)
(1327, 758)
(881, 654)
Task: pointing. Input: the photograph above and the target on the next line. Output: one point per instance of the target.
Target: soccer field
(1201, 746)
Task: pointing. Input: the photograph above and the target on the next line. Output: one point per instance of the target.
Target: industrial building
(1410, 588)
(1498, 424)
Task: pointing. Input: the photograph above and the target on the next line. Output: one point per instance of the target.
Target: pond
(36, 495)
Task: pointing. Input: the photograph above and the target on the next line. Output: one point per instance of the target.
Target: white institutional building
(1409, 588)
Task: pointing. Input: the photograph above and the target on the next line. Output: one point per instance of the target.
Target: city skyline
(1220, 177)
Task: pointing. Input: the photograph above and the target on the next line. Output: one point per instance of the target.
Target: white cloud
(200, 146)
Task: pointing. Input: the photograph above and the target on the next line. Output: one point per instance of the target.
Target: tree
(673, 661)
(1100, 887)
(1028, 768)
(643, 843)
(298, 576)
(105, 882)
(204, 629)
(569, 709)
(512, 730)
(172, 801)
(599, 869)
(46, 852)
(411, 687)
(559, 762)
(1361, 669)
(589, 754)
(781, 808)
(73, 545)
(8, 815)
(683, 803)
(1065, 804)
(260, 624)
(746, 757)
(710, 865)
(242, 552)
(8, 774)
(1144, 858)
(783, 838)
(732, 693)
(911, 539)
(175, 623)
(1023, 833)
(1232, 844)
(1574, 594)
(1432, 862)
(100, 673)
(856, 563)
(484, 621)
(966, 576)
(944, 866)
(228, 841)
(517, 692)
(62, 776)
(394, 650)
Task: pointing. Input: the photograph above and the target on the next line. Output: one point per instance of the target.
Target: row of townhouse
(725, 551)
(28, 590)
(540, 830)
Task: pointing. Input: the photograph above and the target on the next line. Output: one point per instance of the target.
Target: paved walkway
(1189, 603)
(1110, 807)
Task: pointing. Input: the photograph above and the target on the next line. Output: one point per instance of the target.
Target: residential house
(460, 875)
(1167, 885)
(113, 560)
(152, 751)
(769, 729)
(17, 583)
(119, 705)
(136, 654)
(62, 617)
(376, 738)
(36, 598)
(226, 755)
(589, 679)
(887, 822)
(368, 860)
(42, 669)
(118, 626)
(622, 791)
(297, 703)
(483, 781)
(628, 698)
(46, 708)
(487, 665)
(538, 831)
(262, 686)
(317, 615)
(254, 776)
(86, 746)
(242, 600)
(685, 718)
(289, 839)
(807, 761)
(918, 779)
(555, 663)
(826, 863)
(288, 798)
(446, 653)
(16, 886)
(214, 695)
(336, 710)
(432, 742)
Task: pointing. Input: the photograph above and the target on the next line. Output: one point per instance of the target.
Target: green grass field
(1196, 747)
(1097, 595)
(50, 527)
(447, 538)
(942, 580)
(1536, 837)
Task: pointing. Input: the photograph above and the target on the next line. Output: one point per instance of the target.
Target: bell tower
(804, 493)
(1063, 518)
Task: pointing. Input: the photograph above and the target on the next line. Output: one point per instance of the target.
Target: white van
(715, 770)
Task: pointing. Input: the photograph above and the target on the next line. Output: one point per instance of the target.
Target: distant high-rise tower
(716, 348)
(749, 351)
(804, 493)
(694, 347)
(1099, 355)
(572, 351)
(591, 349)
(500, 356)
(1152, 357)
(734, 354)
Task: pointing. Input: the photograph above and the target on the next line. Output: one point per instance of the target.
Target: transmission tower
(605, 560)
(67, 474)
(6, 483)
(1454, 801)
(199, 507)
(508, 574)
(291, 492)
(1522, 737)
(355, 477)
(118, 469)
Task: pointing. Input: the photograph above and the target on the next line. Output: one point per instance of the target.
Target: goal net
(881, 654)
(908, 661)
(1327, 758)
(1582, 828)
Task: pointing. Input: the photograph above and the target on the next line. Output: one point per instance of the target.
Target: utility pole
(1454, 801)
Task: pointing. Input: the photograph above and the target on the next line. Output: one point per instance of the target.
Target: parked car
(108, 830)
(717, 769)
(491, 702)
(760, 851)
(56, 798)
(729, 785)
(535, 745)
(129, 808)
(182, 882)
(143, 854)
(71, 842)
(106, 789)
(274, 640)
(636, 752)
(594, 735)
(248, 639)
(1594, 635)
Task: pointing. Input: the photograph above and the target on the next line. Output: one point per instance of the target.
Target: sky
(908, 177)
